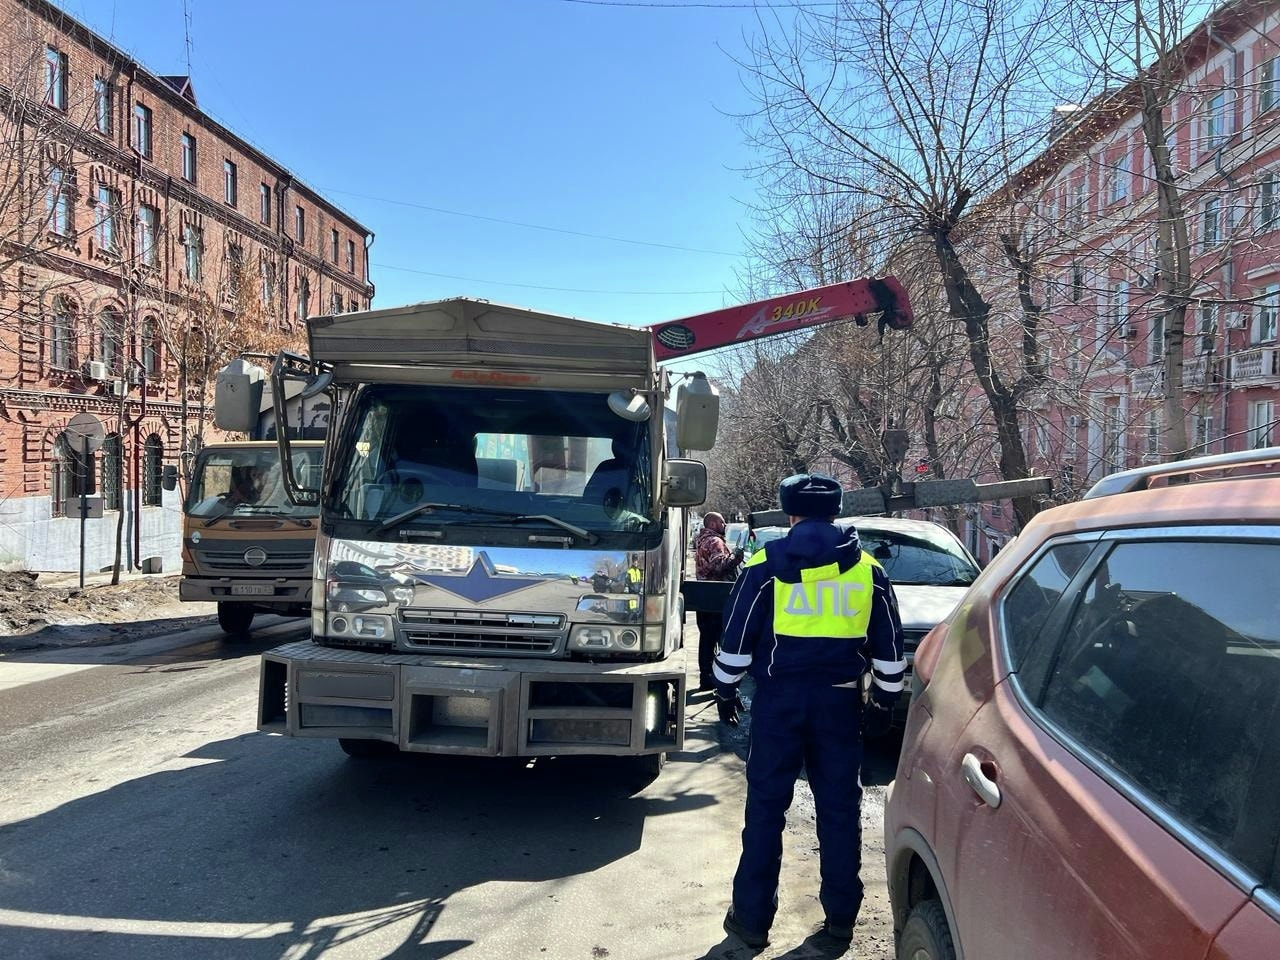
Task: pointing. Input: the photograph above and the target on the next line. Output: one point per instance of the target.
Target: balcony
(1148, 380)
(1202, 373)
(1256, 367)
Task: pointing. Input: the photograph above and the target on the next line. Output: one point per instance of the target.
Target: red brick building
(1091, 211)
(142, 244)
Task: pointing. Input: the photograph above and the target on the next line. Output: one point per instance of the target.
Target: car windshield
(477, 454)
(246, 481)
(922, 556)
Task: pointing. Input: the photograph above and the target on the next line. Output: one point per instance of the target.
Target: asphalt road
(142, 816)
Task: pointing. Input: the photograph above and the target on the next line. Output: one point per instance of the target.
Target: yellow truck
(245, 545)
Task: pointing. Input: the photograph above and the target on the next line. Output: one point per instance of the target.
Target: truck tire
(235, 618)
(644, 769)
(366, 749)
(926, 935)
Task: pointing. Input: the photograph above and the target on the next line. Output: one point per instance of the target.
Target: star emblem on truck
(481, 582)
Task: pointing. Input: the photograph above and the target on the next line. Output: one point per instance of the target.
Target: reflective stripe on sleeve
(889, 666)
(724, 676)
(888, 686)
(733, 659)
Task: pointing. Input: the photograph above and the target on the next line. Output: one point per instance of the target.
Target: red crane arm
(839, 301)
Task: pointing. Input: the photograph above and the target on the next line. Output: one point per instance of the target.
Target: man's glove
(728, 705)
(877, 717)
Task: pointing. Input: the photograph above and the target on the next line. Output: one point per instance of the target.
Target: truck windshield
(246, 481)
(557, 454)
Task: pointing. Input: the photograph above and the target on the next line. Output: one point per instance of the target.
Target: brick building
(1090, 204)
(142, 244)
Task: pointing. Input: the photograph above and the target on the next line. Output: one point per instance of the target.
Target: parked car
(930, 569)
(1092, 759)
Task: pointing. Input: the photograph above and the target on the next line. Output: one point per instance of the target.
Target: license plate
(252, 590)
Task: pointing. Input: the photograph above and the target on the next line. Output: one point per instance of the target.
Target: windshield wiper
(508, 515)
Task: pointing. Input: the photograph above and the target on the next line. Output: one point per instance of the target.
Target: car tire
(926, 934)
(367, 749)
(235, 618)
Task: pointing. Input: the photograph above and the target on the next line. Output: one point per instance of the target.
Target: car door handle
(985, 787)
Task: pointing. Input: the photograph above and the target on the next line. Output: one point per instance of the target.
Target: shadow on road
(190, 863)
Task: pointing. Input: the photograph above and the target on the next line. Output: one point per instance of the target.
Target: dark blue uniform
(807, 620)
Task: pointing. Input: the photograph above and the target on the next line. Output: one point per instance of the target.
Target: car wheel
(235, 618)
(365, 749)
(926, 935)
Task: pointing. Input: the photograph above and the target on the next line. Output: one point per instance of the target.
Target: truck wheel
(926, 935)
(235, 618)
(643, 770)
(364, 749)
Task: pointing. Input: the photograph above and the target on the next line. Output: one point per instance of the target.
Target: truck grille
(483, 631)
(277, 562)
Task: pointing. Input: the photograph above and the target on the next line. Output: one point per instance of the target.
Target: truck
(501, 543)
(246, 546)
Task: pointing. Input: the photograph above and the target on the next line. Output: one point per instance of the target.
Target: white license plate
(252, 590)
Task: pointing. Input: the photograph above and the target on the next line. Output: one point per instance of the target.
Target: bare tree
(913, 109)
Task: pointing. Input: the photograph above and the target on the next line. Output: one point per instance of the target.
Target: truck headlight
(602, 638)
(360, 626)
(345, 597)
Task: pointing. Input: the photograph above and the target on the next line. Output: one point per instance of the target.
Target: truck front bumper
(507, 708)
(260, 592)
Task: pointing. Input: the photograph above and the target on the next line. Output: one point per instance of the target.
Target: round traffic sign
(83, 429)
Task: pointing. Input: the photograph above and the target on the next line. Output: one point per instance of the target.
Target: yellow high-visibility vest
(826, 602)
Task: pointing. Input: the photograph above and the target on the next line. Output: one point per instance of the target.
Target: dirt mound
(26, 605)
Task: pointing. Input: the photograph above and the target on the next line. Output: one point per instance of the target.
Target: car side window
(1027, 607)
(1169, 672)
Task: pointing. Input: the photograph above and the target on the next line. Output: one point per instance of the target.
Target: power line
(702, 6)
(530, 226)
(535, 286)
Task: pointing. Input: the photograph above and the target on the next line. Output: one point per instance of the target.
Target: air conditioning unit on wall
(119, 388)
(1075, 421)
(1237, 319)
(95, 370)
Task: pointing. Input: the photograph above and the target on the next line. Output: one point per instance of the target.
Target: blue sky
(590, 117)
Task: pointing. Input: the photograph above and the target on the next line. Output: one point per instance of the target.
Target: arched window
(111, 340)
(151, 347)
(71, 474)
(152, 469)
(304, 295)
(112, 471)
(61, 335)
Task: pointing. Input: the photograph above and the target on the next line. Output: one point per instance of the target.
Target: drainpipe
(368, 242)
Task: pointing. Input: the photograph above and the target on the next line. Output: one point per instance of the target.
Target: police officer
(801, 619)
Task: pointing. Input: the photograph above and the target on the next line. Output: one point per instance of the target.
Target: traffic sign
(85, 432)
(92, 508)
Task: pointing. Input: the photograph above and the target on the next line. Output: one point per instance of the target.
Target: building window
(1264, 324)
(1154, 429)
(72, 475)
(102, 104)
(1119, 307)
(152, 347)
(300, 224)
(61, 331)
(230, 188)
(105, 216)
(267, 274)
(1078, 203)
(188, 158)
(1208, 326)
(1269, 201)
(264, 204)
(57, 203)
(1155, 339)
(1267, 92)
(1211, 223)
(194, 244)
(110, 340)
(152, 471)
(148, 230)
(1262, 415)
(142, 130)
(1077, 283)
(1113, 452)
(333, 246)
(351, 256)
(1201, 432)
(235, 270)
(1120, 177)
(304, 294)
(1217, 121)
(112, 471)
(55, 78)
(335, 302)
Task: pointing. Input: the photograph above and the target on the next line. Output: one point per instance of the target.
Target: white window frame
(1120, 178)
(1207, 326)
(1265, 317)
(1211, 223)
(103, 102)
(55, 78)
(1267, 87)
(148, 235)
(106, 219)
(57, 203)
(1262, 426)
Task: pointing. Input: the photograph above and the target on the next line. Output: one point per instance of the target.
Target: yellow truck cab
(246, 546)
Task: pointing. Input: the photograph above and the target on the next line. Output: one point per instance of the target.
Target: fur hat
(810, 495)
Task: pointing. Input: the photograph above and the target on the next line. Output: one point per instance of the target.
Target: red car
(1091, 765)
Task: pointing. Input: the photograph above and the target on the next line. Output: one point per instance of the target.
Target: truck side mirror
(169, 477)
(237, 397)
(684, 483)
(697, 414)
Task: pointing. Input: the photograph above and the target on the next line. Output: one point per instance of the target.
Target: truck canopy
(463, 341)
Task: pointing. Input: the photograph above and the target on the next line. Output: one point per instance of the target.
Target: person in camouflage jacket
(713, 560)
